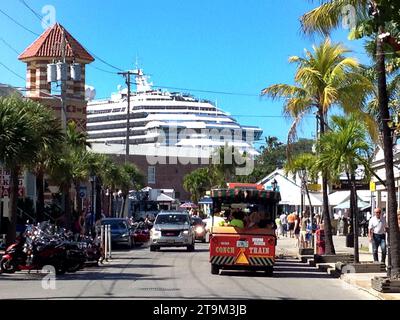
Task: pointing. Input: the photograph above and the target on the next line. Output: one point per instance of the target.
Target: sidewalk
(288, 247)
(362, 281)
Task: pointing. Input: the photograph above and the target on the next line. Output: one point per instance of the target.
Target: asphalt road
(177, 274)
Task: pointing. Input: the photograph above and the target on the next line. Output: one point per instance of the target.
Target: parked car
(121, 232)
(141, 232)
(199, 228)
(172, 229)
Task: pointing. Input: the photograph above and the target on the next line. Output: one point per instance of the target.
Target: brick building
(50, 48)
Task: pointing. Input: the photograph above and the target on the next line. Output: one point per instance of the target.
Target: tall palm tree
(374, 17)
(303, 165)
(110, 176)
(50, 148)
(21, 139)
(131, 177)
(72, 167)
(341, 151)
(324, 78)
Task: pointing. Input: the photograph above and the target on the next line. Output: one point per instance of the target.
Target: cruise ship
(163, 119)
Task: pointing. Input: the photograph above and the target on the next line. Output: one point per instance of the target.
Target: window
(151, 175)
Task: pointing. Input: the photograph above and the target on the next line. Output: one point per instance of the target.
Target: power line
(16, 22)
(102, 70)
(24, 89)
(9, 45)
(37, 15)
(260, 116)
(105, 62)
(210, 91)
(33, 11)
(13, 72)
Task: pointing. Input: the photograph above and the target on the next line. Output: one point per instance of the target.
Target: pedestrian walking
(279, 227)
(297, 223)
(291, 219)
(283, 218)
(303, 230)
(377, 234)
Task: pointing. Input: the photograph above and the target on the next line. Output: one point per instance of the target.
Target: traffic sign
(82, 192)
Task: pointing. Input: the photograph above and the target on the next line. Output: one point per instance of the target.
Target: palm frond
(329, 15)
(278, 91)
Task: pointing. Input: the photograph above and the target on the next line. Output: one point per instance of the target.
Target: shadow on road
(84, 276)
(136, 266)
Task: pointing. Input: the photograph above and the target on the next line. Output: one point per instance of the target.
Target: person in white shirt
(283, 218)
(377, 234)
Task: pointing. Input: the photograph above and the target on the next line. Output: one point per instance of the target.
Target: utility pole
(63, 86)
(127, 76)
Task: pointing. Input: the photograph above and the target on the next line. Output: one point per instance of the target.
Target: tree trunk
(111, 202)
(40, 196)
(311, 215)
(310, 204)
(67, 207)
(98, 200)
(394, 234)
(121, 213)
(12, 228)
(78, 200)
(329, 246)
(354, 214)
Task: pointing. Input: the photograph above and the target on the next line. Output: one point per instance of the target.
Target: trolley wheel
(214, 269)
(7, 266)
(269, 271)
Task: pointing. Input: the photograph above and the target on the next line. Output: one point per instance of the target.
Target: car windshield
(172, 219)
(197, 221)
(115, 225)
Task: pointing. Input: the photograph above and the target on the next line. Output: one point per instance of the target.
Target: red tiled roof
(48, 45)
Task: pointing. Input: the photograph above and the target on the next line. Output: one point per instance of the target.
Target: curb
(371, 291)
(380, 295)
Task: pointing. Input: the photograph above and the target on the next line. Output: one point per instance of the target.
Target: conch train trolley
(247, 247)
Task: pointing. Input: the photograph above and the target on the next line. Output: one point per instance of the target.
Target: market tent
(346, 204)
(164, 198)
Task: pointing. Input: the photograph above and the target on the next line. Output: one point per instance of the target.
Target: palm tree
(341, 151)
(197, 183)
(50, 148)
(110, 177)
(324, 78)
(374, 17)
(21, 139)
(72, 167)
(130, 177)
(303, 165)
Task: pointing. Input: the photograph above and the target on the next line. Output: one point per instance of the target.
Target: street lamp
(274, 185)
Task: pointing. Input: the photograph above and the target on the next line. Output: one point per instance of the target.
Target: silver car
(172, 229)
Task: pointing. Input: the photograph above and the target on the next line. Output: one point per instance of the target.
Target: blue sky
(236, 46)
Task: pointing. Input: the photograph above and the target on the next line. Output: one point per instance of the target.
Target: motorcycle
(40, 246)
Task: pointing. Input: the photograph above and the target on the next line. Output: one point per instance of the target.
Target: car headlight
(155, 233)
(125, 235)
(199, 229)
(185, 233)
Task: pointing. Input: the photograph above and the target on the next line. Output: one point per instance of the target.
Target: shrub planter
(365, 267)
(306, 252)
(345, 258)
(385, 285)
